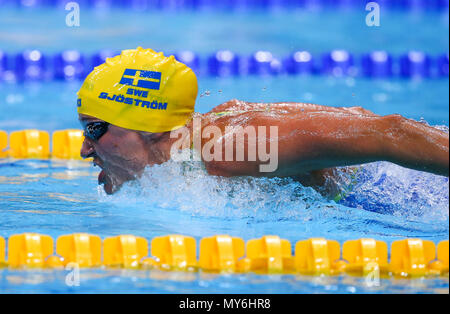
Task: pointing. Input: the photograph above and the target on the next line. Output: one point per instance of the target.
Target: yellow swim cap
(140, 90)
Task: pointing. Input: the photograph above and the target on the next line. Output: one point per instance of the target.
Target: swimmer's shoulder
(231, 105)
(239, 106)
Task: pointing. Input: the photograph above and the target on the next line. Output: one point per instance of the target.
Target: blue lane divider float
(299, 62)
(263, 63)
(415, 64)
(236, 5)
(3, 61)
(69, 64)
(443, 65)
(31, 65)
(100, 57)
(338, 63)
(34, 65)
(223, 63)
(377, 64)
(189, 58)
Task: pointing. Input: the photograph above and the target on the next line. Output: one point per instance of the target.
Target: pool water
(278, 32)
(58, 197)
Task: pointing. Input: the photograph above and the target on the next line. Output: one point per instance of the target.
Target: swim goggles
(95, 130)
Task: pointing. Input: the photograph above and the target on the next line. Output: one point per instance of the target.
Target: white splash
(188, 187)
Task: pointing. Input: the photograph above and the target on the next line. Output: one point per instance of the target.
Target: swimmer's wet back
(140, 90)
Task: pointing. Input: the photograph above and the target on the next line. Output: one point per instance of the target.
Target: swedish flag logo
(142, 79)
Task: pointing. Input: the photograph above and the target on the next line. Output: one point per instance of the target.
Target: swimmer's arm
(322, 140)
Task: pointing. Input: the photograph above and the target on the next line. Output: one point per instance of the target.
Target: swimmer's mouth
(111, 182)
(103, 178)
(108, 185)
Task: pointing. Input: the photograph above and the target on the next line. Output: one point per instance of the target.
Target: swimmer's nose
(87, 149)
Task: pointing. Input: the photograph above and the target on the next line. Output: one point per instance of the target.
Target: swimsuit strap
(349, 188)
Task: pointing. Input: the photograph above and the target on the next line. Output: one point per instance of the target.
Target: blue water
(205, 32)
(57, 198)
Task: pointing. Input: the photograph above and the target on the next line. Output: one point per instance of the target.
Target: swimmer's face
(119, 152)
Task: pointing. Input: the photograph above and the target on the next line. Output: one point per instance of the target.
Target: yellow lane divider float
(67, 144)
(29, 144)
(83, 249)
(29, 249)
(410, 258)
(35, 144)
(221, 253)
(365, 256)
(441, 265)
(270, 254)
(319, 256)
(2, 251)
(174, 252)
(3, 144)
(125, 251)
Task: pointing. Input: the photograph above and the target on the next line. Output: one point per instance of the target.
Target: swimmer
(130, 105)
